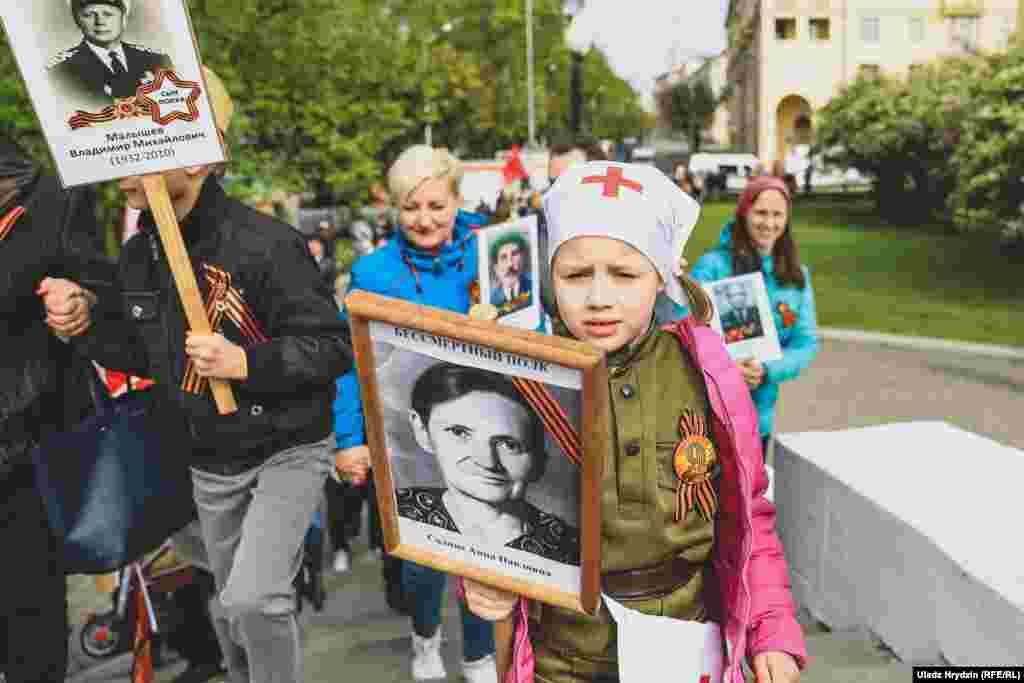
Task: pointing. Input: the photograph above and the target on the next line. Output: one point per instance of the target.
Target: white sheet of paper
(662, 650)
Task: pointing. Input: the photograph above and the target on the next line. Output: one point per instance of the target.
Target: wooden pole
(505, 629)
(504, 639)
(184, 277)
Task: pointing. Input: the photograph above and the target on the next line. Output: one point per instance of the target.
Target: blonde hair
(701, 306)
(421, 163)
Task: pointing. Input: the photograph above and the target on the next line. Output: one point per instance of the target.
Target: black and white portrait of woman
(489, 447)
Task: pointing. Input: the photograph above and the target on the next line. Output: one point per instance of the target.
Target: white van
(709, 163)
(643, 155)
(730, 169)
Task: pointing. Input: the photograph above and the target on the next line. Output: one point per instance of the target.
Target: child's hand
(776, 667)
(67, 306)
(753, 372)
(216, 357)
(489, 603)
(353, 464)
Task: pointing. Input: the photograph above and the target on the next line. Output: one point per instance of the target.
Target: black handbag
(112, 487)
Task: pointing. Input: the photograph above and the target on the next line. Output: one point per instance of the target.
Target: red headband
(755, 187)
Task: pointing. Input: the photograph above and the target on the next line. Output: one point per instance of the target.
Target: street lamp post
(576, 93)
(571, 9)
(530, 90)
(428, 107)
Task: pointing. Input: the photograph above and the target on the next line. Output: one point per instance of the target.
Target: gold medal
(694, 459)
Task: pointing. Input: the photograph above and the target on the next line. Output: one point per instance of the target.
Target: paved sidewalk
(857, 385)
(850, 385)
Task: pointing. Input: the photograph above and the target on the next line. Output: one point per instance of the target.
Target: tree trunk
(889, 195)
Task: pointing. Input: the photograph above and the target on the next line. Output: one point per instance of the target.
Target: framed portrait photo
(743, 316)
(116, 84)
(509, 261)
(487, 445)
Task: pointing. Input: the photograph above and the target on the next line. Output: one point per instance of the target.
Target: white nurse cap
(636, 204)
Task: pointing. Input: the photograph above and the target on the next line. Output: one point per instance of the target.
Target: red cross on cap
(612, 182)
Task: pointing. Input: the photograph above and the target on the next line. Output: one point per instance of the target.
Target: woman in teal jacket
(760, 238)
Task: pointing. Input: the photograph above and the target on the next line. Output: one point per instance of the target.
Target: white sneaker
(341, 561)
(480, 671)
(426, 657)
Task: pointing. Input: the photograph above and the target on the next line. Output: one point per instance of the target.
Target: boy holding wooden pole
(258, 471)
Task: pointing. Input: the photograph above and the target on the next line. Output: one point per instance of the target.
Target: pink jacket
(758, 608)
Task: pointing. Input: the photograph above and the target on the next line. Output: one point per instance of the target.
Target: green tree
(901, 134)
(989, 157)
(690, 105)
(318, 87)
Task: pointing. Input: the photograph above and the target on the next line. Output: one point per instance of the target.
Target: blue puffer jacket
(799, 341)
(444, 282)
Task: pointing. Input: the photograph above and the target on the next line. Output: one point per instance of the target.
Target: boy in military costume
(103, 67)
(686, 531)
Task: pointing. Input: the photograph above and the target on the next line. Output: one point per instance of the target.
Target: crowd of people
(611, 275)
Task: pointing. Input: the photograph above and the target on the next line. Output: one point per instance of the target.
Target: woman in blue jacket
(432, 260)
(760, 238)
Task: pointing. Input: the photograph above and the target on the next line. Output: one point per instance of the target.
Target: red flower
(788, 315)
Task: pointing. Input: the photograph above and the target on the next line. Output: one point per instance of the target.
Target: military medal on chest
(694, 460)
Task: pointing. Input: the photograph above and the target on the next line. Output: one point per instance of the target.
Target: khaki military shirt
(650, 389)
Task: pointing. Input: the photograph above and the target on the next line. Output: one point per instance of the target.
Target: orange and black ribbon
(554, 418)
(694, 460)
(222, 301)
(127, 108)
(8, 221)
(142, 648)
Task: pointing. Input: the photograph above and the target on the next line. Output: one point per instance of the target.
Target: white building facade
(788, 58)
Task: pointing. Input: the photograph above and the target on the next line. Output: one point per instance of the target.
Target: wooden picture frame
(539, 366)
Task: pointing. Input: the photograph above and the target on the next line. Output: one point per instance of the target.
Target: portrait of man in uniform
(103, 66)
(741, 319)
(512, 284)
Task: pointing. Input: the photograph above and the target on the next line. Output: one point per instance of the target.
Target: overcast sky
(643, 38)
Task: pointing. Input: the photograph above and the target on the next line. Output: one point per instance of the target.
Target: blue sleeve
(803, 344)
(349, 424)
(711, 266)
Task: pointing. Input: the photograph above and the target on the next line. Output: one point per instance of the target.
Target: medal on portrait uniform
(788, 315)
(694, 460)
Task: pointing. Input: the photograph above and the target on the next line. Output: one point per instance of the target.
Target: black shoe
(200, 673)
(317, 593)
(397, 599)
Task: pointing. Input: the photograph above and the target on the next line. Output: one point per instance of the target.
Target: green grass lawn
(873, 276)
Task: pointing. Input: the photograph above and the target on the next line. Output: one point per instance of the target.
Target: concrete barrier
(914, 531)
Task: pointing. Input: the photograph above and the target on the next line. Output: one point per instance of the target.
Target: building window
(1003, 31)
(785, 29)
(915, 29)
(820, 29)
(871, 30)
(869, 72)
(964, 32)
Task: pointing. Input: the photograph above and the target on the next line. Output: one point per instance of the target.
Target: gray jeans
(253, 527)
